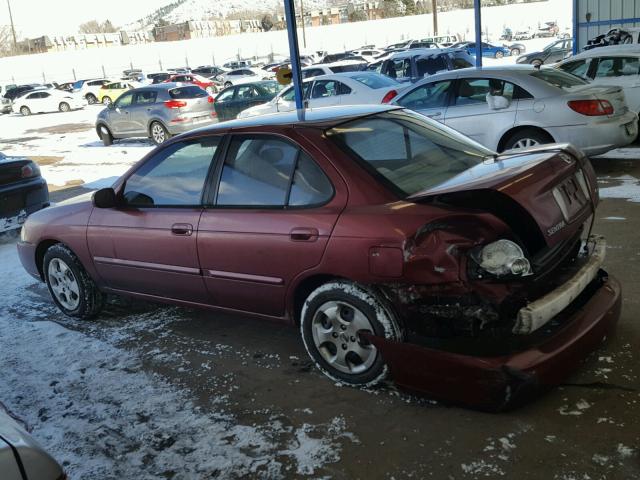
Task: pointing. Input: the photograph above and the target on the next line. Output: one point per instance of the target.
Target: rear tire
(515, 51)
(227, 84)
(159, 134)
(528, 137)
(91, 98)
(332, 317)
(536, 62)
(105, 135)
(64, 107)
(499, 55)
(106, 100)
(26, 111)
(72, 289)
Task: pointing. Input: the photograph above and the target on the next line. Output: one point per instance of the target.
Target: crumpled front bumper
(503, 382)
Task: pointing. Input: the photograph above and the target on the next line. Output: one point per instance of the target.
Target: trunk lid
(11, 169)
(554, 184)
(613, 94)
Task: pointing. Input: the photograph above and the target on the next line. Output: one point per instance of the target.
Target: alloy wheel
(158, 133)
(525, 143)
(336, 328)
(63, 284)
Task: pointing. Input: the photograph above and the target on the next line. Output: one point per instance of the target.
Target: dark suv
(414, 65)
(552, 53)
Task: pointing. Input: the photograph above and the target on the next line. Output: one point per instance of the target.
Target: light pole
(13, 28)
(304, 36)
(434, 5)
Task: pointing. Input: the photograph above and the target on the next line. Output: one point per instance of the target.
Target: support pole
(294, 54)
(434, 4)
(304, 35)
(477, 11)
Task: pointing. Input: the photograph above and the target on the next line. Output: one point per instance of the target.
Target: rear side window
(461, 61)
(269, 172)
(175, 176)
(617, 67)
(145, 96)
(352, 67)
(431, 65)
(188, 91)
(314, 72)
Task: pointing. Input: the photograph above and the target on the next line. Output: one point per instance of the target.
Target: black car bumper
(20, 199)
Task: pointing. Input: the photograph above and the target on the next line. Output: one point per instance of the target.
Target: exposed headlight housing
(502, 257)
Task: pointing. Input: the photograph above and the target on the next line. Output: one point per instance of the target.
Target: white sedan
(351, 88)
(617, 65)
(41, 101)
(243, 75)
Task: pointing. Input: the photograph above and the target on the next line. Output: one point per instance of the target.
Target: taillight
(591, 108)
(211, 99)
(389, 96)
(175, 104)
(29, 170)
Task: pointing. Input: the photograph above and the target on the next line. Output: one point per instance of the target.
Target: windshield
(406, 152)
(557, 78)
(374, 81)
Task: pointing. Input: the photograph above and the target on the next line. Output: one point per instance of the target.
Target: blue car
(488, 50)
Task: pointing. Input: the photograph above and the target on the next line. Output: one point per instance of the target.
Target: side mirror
(111, 106)
(104, 198)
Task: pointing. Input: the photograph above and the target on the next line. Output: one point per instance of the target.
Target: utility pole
(304, 36)
(13, 28)
(434, 5)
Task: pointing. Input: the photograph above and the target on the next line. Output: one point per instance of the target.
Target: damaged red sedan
(397, 245)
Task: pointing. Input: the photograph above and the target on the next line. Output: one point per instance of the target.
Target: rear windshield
(189, 91)
(374, 81)
(407, 153)
(557, 78)
(350, 67)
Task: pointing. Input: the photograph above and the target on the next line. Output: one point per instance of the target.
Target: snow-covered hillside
(206, 9)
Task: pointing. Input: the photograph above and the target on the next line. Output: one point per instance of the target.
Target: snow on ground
(69, 141)
(89, 401)
(626, 186)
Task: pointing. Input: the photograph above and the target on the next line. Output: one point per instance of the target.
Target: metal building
(595, 17)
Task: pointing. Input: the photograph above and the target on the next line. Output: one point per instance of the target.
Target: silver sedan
(521, 106)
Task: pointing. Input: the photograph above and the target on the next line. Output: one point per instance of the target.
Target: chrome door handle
(301, 234)
(182, 229)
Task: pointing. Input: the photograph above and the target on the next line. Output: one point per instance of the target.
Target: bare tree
(6, 41)
(93, 26)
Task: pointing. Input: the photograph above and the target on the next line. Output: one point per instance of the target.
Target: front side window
(397, 68)
(288, 95)
(430, 95)
(268, 172)
(247, 92)
(124, 100)
(431, 65)
(617, 67)
(174, 177)
(226, 95)
(405, 152)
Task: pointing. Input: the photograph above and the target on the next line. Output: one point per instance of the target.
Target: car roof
(318, 117)
(422, 51)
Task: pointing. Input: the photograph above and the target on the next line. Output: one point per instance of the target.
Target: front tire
(228, 84)
(64, 107)
(106, 100)
(499, 55)
(105, 135)
(25, 111)
(159, 133)
(515, 51)
(537, 62)
(528, 137)
(91, 98)
(333, 317)
(72, 289)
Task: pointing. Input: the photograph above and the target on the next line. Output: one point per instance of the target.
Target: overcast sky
(36, 17)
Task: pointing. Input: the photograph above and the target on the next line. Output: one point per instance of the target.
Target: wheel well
(155, 120)
(515, 130)
(41, 249)
(303, 290)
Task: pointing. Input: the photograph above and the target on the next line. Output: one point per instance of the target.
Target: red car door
(270, 220)
(148, 244)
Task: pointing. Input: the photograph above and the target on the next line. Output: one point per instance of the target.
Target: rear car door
(246, 96)
(268, 222)
(471, 114)
(148, 245)
(430, 99)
